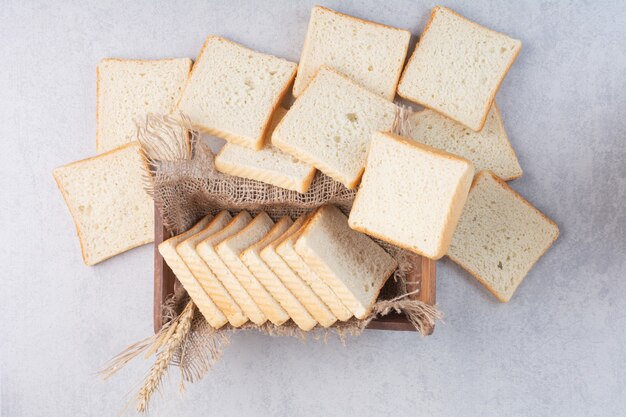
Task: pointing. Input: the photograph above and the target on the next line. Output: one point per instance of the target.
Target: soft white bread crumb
(270, 164)
(106, 198)
(500, 236)
(488, 149)
(232, 91)
(230, 250)
(252, 258)
(369, 53)
(331, 123)
(207, 307)
(457, 67)
(411, 195)
(128, 89)
(287, 250)
(351, 263)
(203, 274)
(206, 250)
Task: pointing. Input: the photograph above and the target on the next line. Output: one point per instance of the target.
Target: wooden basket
(164, 281)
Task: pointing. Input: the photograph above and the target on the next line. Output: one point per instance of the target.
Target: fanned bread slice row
(252, 258)
(206, 250)
(331, 123)
(500, 236)
(106, 198)
(269, 165)
(457, 67)
(372, 54)
(128, 89)
(352, 264)
(287, 250)
(207, 279)
(232, 91)
(423, 190)
(303, 292)
(488, 149)
(230, 250)
(207, 307)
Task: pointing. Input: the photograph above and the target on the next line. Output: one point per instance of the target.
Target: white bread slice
(230, 250)
(369, 53)
(487, 149)
(252, 258)
(206, 250)
(232, 91)
(106, 198)
(270, 164)
(287, 250)
(207, 307)
(128, 89)
(351, 263)
(295, 283)
(331, 123)
(500, 236)
(207, 279)
(457, 67)
(423, 190)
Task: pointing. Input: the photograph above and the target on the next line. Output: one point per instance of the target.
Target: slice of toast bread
(207, 279)
(230, 251)
(206, 250)
(500, 236)
(207, 307)
(252, 258)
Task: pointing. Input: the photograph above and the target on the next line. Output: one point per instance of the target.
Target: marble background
(557, 349)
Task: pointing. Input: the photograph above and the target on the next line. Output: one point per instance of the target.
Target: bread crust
(306, 47)
(479, 127)
(66, 198)
(447, 227)
(475, 274)
(255, 143)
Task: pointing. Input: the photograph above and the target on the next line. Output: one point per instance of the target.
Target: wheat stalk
(155, 376)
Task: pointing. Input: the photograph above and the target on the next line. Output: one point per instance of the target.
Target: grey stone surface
(557, 349)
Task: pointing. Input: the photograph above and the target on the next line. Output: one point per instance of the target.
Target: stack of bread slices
(439, 189)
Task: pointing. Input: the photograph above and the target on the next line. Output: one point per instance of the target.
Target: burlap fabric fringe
(181, 177)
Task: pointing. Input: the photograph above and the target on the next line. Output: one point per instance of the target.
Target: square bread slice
(287, 250)
(351, 263)
(270, 164)
(105, 195)
(303, 292)
(207, 279)
(500, 236)
(232, 91)
(369, 53)
(488, 149)
(207, 307)
(331, 123)
(457, 67)
(411, 195)
(128, 89)
(230, 250)
(206, 250)
(252, 258)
